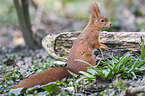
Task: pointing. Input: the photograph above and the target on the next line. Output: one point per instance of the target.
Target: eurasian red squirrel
(82, 49)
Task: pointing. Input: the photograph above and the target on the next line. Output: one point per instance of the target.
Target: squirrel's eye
(102, 20)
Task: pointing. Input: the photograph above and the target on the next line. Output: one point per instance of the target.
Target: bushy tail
(51, 75)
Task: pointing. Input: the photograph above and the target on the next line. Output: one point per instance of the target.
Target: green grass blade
(142, 49)
(134, 74)
(121, 61)
(87, 74)
(114, 58)
(73, 74)
(84, 62)
(110, 75)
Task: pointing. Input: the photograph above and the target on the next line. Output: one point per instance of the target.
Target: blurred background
(55, 16)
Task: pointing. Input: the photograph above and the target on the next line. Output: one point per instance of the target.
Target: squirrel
(82, 49)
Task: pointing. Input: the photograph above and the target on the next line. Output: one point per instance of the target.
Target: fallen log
(58, 46)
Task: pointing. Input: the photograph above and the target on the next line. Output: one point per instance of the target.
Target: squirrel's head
(97, 20)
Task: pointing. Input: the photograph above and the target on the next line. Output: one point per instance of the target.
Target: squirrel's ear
(94, 17)
(94, 14)
(95, 11)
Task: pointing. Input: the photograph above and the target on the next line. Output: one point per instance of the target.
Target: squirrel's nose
(110, 23)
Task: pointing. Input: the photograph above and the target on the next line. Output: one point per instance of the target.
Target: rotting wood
(58, 46)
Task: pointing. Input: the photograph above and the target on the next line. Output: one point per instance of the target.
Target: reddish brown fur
(82, 49)
(50, 75)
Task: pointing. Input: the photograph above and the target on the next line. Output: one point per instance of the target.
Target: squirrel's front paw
(104, 47)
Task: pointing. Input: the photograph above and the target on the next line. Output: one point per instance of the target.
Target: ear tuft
(97, 8)
(95, 11)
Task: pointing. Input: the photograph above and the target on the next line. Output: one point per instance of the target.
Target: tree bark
(22, 8)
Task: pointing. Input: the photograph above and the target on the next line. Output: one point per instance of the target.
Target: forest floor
(14, 55)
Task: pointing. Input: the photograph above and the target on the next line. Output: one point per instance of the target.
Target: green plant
(48, 89)
(142, 48)
(112, 67)
(74, 83)
(127, 65)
